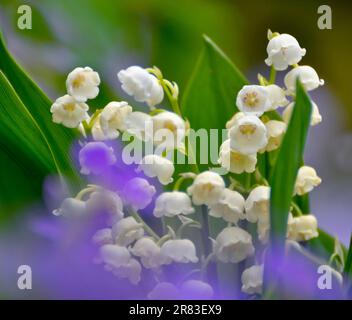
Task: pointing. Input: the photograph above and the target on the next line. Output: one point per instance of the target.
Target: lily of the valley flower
(230, 206)
(95, 157)
(180, 250)
(127, 230)
(276, 96)
(69, 112)
(112, 118)
(233, 120)
(302, 228)
(103, 237)
(142, 85)
(234, 161)
(140, 125)
(149, 252)
(207, 188)
(316, 117)
(71, 208)
(248, 135)
(170, 204)
(233, 244)
(306, 74)
(252, 279)
(83, 84)
(253, 99)
(307, 180)
(138, 193)
(117, 259)
(97, 131)
(156, 166)
(275, 132)
(283, 50)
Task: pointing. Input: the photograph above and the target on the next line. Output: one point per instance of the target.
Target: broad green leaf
(287, 164)
(38, 105)
(209, 99)
(348, 264)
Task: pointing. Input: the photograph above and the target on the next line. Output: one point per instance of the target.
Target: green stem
(297, 209)
(148, 229)
(272, 78)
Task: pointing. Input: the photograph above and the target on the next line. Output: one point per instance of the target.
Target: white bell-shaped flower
(142, 85)
(233, 244)
(234, 161)
(149, 252)
(97, 131)
(253, 100)
(103, 237)
(112, 118)
(233, 120)
(170, 204)
(275, 131)
(276, 96)
(156, 166)
(252, 279)
(316, 117)
(307, 180)
(132, 271)
(283, 50)
(138, 193)
(69, 112)
(248, 135)
(257, 204)
(207, 188)
(306, 74)
(180, 250)
(127, 230)
(196, 289)
(140, 125)
(230, 206)
(83, 84)
(302, 228)
(168, 129)
(164, 291)
(71, 208)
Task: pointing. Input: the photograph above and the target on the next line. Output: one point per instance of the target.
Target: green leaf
(287, 165)
(348, 264)
(209, 99)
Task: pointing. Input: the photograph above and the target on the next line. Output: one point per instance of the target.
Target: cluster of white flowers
(128, 244)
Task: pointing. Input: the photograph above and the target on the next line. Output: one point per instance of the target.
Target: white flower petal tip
(230, 206)
(252, 280)
(283, 50)
(248, 135)
(157, 166)
(307, 180)
(170, 204)
(69, 112)
(233, 245)
(307, 76)
(207, 188)
(83, 84)
(180, 250)
(142, 85)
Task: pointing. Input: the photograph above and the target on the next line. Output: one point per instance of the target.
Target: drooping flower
(275, 132)
(230, 206)
(142, 85)
(140, 125)
(207, 188)
(69, 112)
(252, 279)
(95, 157)
(102, 237)
(302, 228)
(234, 161)
(253, 100)
(156, 166)
(196, 289)
(112, 118)
(257, 204)
(173, 203)
(233, 120)
(283, 50)
(307, 180)
(248, 135)
(97, 131)
(233, 244)
(138, 193)
(306, 74)
(168, 129)
(276, 96)
(180, 250)
(126, 231)
(83, 84)
(149, 252)
(71, 208)
(316, 117)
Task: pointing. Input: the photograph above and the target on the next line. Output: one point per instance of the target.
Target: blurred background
(110, 35)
